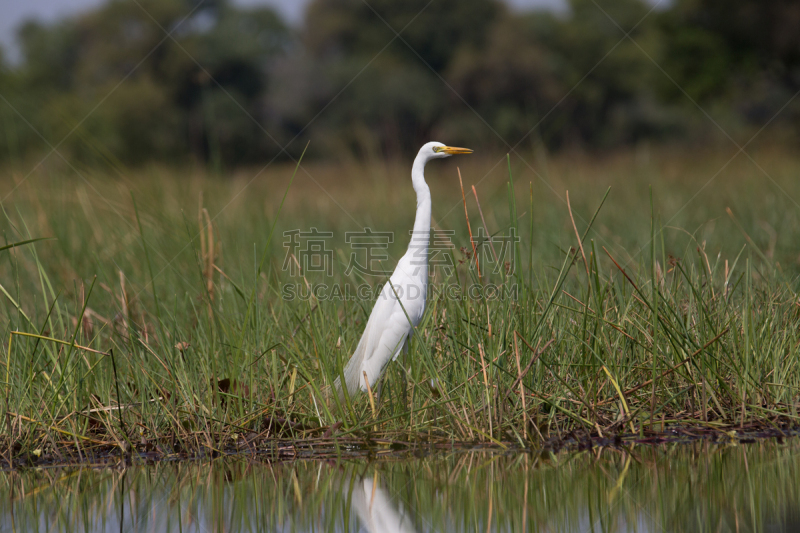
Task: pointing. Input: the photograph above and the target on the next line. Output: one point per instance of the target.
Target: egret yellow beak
(453, 150)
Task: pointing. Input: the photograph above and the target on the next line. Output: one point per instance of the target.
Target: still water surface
(681, 487)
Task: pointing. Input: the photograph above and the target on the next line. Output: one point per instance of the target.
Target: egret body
(401, 303)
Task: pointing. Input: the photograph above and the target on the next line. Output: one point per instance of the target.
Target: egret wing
(384, 335)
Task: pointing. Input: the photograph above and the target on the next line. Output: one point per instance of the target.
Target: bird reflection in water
(375, 508)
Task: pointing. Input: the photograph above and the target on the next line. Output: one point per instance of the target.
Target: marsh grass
(154, 321)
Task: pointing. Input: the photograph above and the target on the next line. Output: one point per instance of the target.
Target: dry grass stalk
(483, 220)
(469, 228)
(521, 391)
(209, 250)
(486, 385)
(124, 302)
(578, 236)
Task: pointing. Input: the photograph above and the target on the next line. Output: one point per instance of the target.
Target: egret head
(436, 150)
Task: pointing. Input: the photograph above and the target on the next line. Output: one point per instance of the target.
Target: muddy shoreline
(368, 449)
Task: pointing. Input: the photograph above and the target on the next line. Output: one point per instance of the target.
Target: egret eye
(437, 149)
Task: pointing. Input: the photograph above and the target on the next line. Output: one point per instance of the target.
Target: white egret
(401, 303)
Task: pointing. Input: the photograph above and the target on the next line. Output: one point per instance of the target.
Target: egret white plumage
(401, 303)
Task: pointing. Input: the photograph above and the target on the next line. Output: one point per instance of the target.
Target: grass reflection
(697, 487)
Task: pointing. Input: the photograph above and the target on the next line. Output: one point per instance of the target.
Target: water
(681, 487)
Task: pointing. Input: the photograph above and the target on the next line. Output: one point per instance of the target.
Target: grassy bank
(156, 318)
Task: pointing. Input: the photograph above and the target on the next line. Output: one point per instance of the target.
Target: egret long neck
(422, 223)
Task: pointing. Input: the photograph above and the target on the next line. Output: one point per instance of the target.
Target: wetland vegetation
(153, 321)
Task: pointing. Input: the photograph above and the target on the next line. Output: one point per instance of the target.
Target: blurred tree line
(204, 80)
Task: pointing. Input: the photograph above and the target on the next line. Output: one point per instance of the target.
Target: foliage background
(204, 81)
